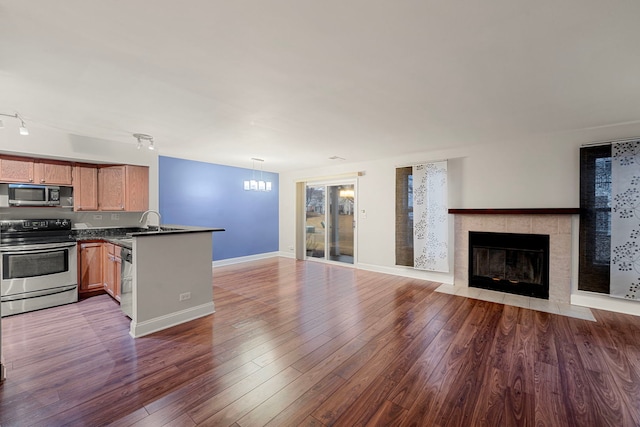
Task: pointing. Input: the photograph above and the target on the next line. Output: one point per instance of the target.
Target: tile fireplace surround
(557, 225)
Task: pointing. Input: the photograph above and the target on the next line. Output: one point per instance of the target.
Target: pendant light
(253, 184)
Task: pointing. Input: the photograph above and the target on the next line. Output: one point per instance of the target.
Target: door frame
(301, 214)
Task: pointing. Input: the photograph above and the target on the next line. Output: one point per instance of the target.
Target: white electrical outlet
(185, 296)
(291, 248)
(115, 217)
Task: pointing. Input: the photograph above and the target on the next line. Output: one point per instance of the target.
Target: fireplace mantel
(517, 211)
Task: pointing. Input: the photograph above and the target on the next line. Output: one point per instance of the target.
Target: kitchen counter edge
(174, 229)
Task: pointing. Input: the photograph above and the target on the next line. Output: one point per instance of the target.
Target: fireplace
(510, 262)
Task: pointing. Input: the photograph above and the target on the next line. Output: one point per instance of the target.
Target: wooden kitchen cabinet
(16, 169)
(52, 173)
(111, 274)
(95, 187)
(26, 170)
(90, 267)
(123, 188)
(85, 188)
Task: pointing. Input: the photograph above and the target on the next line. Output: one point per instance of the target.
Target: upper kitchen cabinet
(85, 188)
(24, 170)
(123, 188)
(16, 169)
(52, 173)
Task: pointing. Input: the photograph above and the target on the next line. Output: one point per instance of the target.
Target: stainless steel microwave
(33, 195)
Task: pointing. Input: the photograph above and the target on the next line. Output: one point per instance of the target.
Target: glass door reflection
(330, 232)
(315, 221)
(341, 223)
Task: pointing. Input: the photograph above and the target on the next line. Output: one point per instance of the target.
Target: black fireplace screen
(514, 265)
(509, 262)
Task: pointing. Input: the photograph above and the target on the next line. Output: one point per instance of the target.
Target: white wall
(541, 172)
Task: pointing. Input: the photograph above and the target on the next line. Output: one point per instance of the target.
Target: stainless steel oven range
(39, 265)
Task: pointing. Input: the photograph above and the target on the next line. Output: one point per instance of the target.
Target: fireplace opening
(510, 262)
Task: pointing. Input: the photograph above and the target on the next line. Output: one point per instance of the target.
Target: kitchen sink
(155, 230)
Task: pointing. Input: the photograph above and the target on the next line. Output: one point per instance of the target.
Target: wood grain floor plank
(504, 338)
(412, 385)
(216, 402)
(461, 390)
(388, 358)
(197, 391)
(610, 408)
(489, 408)
(577, 395)
(297, 343)
(296, 413)
(545, 347)
(240, 407)
(520, 393)
(550, 409)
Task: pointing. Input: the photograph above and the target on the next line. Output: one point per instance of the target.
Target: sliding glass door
(330, 222)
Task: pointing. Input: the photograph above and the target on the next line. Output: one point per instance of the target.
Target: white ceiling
(297, 81)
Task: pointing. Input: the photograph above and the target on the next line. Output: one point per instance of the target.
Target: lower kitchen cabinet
(99, 265)
(112, 264)
(90, 270)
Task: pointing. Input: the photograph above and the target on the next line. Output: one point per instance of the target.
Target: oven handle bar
(36, 294)
(44, 246)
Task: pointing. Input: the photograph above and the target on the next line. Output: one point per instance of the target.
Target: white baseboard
(604, 302)
(238, 260)
(446, 278)
(284, 254)
(140, 329)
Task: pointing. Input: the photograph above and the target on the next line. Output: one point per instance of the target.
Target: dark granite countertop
(173, 229)
(122, 236)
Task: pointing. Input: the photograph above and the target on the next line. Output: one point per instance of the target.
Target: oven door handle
(44, 246)
(37, 294)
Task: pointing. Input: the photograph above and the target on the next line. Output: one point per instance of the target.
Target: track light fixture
(144, 137)
(23, 127)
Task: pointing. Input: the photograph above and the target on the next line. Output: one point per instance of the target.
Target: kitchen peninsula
(171, 277)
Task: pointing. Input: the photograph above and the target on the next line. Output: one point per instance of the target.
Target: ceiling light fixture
(253, 184)
(144, 137)
(23, 127)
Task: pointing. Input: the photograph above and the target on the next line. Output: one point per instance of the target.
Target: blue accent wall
(211, 195)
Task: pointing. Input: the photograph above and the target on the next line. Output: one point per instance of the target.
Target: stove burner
(34, 231)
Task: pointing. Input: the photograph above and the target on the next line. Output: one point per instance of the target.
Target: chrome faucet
(147, 214)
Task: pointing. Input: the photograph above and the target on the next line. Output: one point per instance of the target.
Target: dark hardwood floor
(301, 343)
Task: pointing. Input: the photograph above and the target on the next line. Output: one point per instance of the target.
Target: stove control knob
(65, 222)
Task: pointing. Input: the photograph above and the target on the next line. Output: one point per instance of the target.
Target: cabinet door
(85, 188)
(137, 188)
(109, 278)
(90, 262)
(117, 274)
(111, 186)
(112, 264)
(16, 170)
(52, 173)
